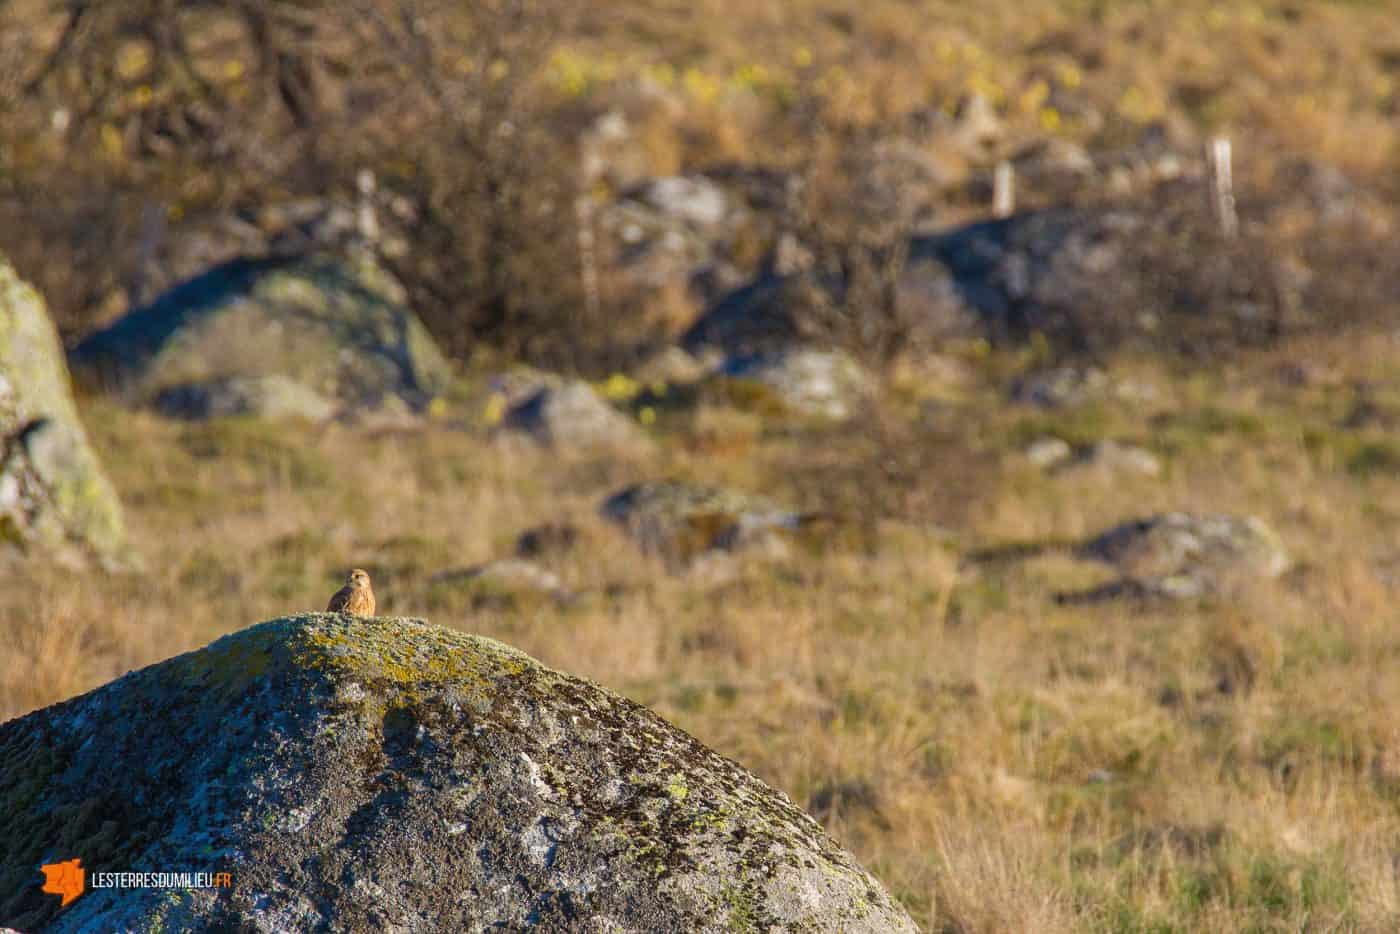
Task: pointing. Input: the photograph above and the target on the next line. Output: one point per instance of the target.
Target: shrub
(195, 113)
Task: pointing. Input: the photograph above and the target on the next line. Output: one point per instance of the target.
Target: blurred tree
(854, 227)
(217, 109)
(487, 180)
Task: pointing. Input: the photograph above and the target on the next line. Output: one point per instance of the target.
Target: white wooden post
(1222, 186)
(1004, 190)
(366, 220)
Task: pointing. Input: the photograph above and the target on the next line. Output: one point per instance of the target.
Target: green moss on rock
(54, 496)
(336, 327)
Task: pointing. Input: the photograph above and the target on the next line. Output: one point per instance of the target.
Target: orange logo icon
(64, 879)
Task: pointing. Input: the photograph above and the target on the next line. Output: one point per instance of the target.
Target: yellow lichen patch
(494, 411)
(749, 395)
(619, 387)
(398, 656)
(676, 788)
(403, 653)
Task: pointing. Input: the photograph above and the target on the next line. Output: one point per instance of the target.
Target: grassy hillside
(239, 121)
(1002, 761)
(1002, 758)
(1316, 77)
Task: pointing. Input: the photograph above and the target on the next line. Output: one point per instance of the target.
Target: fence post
(1004, 189)
(366, 220)
(1222, 186)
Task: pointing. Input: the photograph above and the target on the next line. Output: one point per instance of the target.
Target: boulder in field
(572, 415)
(804, 381)
(1086, 278)
(691, 199)
(54, 496)
(338, 327)
(1180, 555)
(1115, 457)
(681, 521)
(386, 774)
(1047, 453)
(271, 397)
(550, 539)
(1171, 556)
(519, 383)
(1061, 387)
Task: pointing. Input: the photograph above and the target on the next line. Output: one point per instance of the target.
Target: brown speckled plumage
(355, 598)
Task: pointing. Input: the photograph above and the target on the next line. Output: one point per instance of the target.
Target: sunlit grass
(1001, 762)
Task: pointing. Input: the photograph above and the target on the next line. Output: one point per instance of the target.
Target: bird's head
(358, 578)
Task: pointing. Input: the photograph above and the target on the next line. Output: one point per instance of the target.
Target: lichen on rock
(572, 415)
(1184, 556)
(376, 774)
(680, 521)
(339, 327)
(269, 397)
(54, 496)
(797, 380)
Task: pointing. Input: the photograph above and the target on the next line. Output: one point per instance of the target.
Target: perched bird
(355, 598)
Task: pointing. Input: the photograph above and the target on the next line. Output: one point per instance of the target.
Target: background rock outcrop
(338, 327)
(680, 521)
(385, 774)
(572, 415)
(54, 496)
(798, 380)
(273, 397)
(1183, 556)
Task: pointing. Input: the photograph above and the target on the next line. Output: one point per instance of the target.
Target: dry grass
(1313, 78)
(1002, 763)
(708, 84)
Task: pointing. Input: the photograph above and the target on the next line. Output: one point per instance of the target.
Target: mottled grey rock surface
(271, 397)
(519, 383)
(1116, 457)
(1060, 387)
(572, 415)
(693, 199)
(998, 279)
(1171, 556)
(681, 521)
(386, 774)
(54, 496)
(1181, 555)
(801, 381)
(339, 327)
